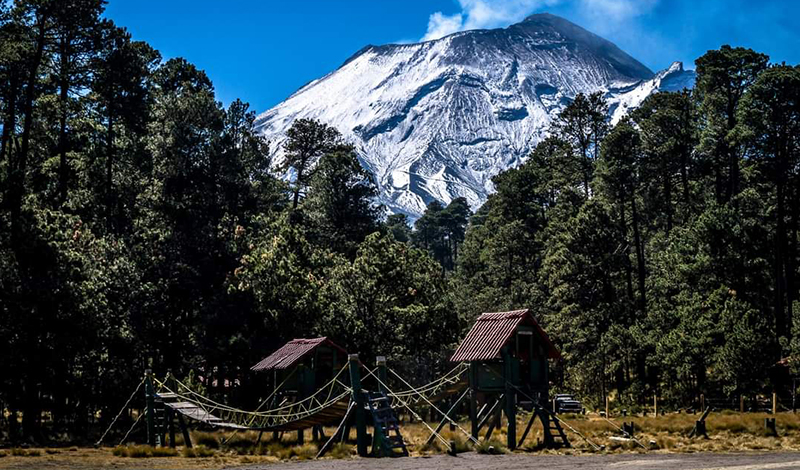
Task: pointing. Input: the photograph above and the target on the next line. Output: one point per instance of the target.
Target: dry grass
(199, 451)
(143, 451)
(728, 432)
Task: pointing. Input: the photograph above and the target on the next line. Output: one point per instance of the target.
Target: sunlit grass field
(728, 432)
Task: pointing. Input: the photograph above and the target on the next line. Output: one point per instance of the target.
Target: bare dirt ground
(472, 461)
(95, 460)
(90, 460)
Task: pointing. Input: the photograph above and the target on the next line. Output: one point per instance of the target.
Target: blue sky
(263, 50)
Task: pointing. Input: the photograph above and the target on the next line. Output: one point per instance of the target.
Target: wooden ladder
(387, 439)
(554, 435)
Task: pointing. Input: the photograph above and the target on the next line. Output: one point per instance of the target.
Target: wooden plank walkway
(327, 416)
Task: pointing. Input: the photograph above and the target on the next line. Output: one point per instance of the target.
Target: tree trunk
(110, 166)
(296, 197)
(780, 240)
(791, 261)
(10, 121)
(639, 256)
(668, 194)
(624, 232)
(17, 182)
(62, 131)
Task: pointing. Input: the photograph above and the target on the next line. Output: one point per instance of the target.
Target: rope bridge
(325, 406)
(331, 404)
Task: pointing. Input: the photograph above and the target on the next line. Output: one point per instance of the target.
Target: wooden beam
(446, 418)
(527, 428)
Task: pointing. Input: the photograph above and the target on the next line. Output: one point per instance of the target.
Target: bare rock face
(437, 120)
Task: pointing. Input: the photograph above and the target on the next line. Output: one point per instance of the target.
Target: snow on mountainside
(437, 120)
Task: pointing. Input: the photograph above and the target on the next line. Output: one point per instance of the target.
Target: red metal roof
(292, 352)
(492, 331)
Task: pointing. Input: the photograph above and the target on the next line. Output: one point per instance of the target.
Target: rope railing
(446, 416)
(325, 397)
(434, 388)
(411, 410)
(121, 411)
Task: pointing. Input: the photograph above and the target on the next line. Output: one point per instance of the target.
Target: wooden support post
(774, 403)
(170, 413)
(655, 405)
(260, 435)
(382, 375)
(151, 408)
(358, 398)
(769, 424)
(741, 403)
(700, 425)
(171, 425)
(702, 401)
(187, 438)
(473, 401)
(511, 404)
(527, 428)
(607, 415)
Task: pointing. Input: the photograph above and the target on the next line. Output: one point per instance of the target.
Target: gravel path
(472, 461)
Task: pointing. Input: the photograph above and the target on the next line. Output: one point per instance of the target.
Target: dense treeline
(661, 252)
(143, 224)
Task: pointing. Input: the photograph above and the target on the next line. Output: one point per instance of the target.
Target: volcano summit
(437, 120)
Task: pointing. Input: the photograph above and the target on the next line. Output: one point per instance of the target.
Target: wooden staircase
(387, 440)
(554, 435)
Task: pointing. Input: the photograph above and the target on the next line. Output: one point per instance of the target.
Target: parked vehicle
(566, 403)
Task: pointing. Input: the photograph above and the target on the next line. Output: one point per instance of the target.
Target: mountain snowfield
(437, 120)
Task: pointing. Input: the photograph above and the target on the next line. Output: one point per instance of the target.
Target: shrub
(137, 452)
(492, 446)
(304, 452)
(199, 451)
(143, 451)
(241, 443)
(207, 439)
(341, 451)
(164, 452)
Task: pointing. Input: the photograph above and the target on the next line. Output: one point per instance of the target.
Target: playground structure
(298, 368)
(502, 365)
(508, 356)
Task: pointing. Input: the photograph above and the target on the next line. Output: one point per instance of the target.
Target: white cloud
(441, 25)
(481, 14)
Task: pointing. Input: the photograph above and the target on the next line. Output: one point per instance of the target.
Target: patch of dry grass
(728, 432)
(19, 452)
(198, 451)
(143, 451)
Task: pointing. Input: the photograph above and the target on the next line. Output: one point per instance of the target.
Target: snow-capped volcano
(437, 120)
